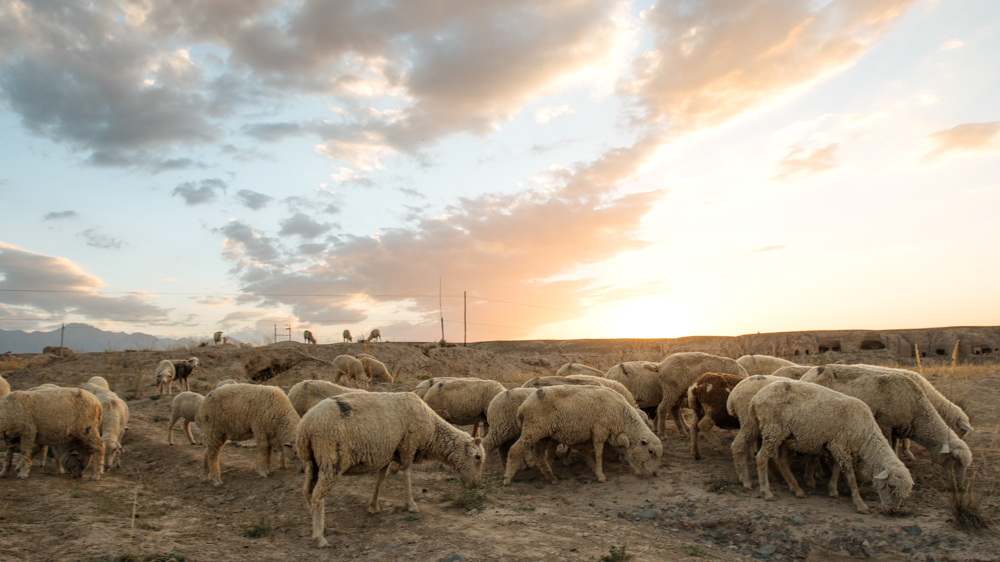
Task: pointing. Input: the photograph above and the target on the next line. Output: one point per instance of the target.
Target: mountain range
(83, 338)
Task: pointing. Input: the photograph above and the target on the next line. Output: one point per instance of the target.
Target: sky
(522, 170)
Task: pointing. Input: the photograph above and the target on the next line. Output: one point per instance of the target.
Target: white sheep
(374, 369)
(347, 336)
(114, 422)
(738, 405)
(501, 417)
(376, 335)
(349, 367)
(164, 377)
(225, 382)
(364, 432)
(308, 337)
(184, 407)
(306, 394)
(707, 397)
(425, 385)
(574, 415)
(238, 412)
(99, 382)
(49, 416)
(4, 387)
(901, 409)
(578, 369)
(791, 371)
(585, 380)
(676, 373)
(763, 364)
(641, 379)
(217, 338)
(815, 420)
(463, 401)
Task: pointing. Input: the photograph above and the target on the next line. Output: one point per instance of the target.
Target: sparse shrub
(618, 554)
(694, 550)
(477, 498)
(261, 529)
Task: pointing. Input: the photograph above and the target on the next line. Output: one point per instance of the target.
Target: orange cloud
(800, 163)
(969, 137)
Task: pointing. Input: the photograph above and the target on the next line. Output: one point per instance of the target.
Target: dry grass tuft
(11, 365)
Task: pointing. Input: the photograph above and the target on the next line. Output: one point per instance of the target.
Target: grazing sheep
(225, 382)
(308, 337)
(217, 338)
(376, 335)
(72, 457)
(349, 367)
(763, 364)
(363, 432)
(347, 336)
(4, 387)
(501, 417)
(49, 416)
(676, 373)
(113, 424)
(901, 409)
(99, 382)
(183, 369)
(238, 412)
(641, 379)
(578, 369)
(738, 405)
(425, 385)
(707, 396)
(307, 394)
(164, 377)
(463, 401)
(375, 369)
(184, 407)
(574, 415)
(584, 380)
(792, 372)
(815, 420)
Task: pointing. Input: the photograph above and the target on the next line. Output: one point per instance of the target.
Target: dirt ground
(155, 506)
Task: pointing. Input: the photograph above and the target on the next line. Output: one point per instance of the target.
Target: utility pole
(62, 338)
(465, 319)
(441, 307)
(275, 333)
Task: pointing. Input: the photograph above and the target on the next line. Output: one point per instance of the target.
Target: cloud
(98, 240)
(952, 44)
(302, 225)
(213, 300)
(800, 163)
(57, 287)
(252, 199)
(199, 193)
(547, 114)
(58, 215)
(768, 249)
(969, 137)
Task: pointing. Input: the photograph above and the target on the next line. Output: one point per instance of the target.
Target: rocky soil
(156, 508)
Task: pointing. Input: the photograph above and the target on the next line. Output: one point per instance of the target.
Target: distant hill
(82, 338)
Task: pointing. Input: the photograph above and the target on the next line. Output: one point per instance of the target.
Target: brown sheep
(707, 397)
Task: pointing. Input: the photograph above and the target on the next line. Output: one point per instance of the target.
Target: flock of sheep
(853, 418)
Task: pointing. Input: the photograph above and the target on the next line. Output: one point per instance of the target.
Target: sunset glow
(525, 170)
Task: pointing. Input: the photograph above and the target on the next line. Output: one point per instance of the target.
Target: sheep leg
(694, 437)
(411, 505)
(170, 429)
(599, 460)
(834, 480)
(768, 449)
(382, 472)
(682, 426)
(263, 454)
(514, 457)
(542, 460)
(187, 430)
(786, 473)
(741, 459)
(852, 481)
(210, 466)
(319, 481)
(475, 429)
(27, 446)
(8, 461)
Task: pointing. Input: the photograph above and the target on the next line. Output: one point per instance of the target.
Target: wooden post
(62, 338)
(465, 319)
(441, 307)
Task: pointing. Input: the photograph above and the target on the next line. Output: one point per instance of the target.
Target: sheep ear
(964, 426)
(882, 475)
(289, 445)
(644, 442)
(477, 441)
(945, 449)
(649, 367)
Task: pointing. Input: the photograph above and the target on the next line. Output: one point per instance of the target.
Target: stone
(913, 530)
(767, 550)
(798, 521)
(648, 514)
